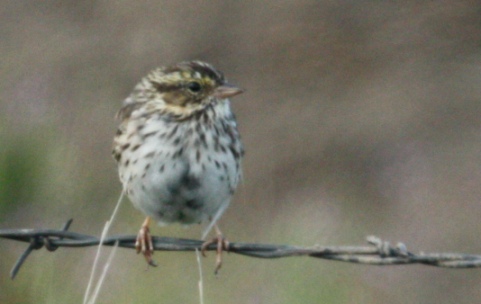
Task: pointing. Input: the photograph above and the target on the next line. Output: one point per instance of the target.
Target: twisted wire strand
(377, 252)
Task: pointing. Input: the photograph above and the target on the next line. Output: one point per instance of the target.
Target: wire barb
(36, 242)
(378, 252)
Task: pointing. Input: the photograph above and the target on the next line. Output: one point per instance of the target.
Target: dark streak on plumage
(194, 204)
(127, 110)
(197, 116)
(216, 131)
(178, 153)
(173, 132)
(198, 128)
(229, 131)
(203, 140)
(150, 154)
(234, 152)
(146, 135)
(197, 155)
(190, 182)
(117, 156)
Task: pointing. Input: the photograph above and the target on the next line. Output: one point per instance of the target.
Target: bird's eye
(194, 86)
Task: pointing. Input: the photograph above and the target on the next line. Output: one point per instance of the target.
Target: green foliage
(22, 162)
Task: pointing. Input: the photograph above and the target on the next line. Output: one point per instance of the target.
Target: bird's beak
(227, 90)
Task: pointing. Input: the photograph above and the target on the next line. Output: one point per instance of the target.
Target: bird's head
(182, 89)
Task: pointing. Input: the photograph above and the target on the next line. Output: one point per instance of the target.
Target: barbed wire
(377, 252)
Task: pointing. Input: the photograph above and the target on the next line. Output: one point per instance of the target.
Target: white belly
(178, 178)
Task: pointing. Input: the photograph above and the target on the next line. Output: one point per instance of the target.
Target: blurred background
(359, 118)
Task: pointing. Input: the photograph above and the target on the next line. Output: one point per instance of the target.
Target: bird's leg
(144, 242)
(222, 244)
